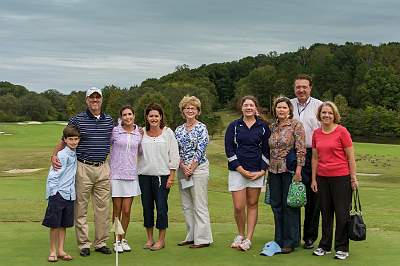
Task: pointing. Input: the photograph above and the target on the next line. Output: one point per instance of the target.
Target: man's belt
(97, 164)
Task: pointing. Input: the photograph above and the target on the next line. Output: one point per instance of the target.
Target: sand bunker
(63, 123)
(23, 171)
(30, 123)
(367, 174)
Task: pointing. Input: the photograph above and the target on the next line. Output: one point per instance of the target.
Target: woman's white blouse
(158, 155)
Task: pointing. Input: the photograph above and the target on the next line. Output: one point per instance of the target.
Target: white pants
(195, 206)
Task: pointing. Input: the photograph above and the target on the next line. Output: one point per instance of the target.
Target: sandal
(65, 257)
(52, 259)
(148, 245)
(157, 247)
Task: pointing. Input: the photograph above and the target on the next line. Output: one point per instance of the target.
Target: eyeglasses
(94, 96)
(190, 108)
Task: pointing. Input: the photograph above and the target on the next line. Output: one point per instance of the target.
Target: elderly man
(305, 109)
(92, 177)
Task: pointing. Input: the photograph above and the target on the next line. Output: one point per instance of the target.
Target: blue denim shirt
(63, 180)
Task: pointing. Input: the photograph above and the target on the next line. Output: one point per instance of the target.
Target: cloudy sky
(73, 44)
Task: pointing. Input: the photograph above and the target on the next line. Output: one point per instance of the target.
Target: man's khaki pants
(92, 181)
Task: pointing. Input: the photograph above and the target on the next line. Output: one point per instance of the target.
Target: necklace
(189, 125)
(154, 133)
(329, 129)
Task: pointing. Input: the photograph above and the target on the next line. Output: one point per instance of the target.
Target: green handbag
(296, 195)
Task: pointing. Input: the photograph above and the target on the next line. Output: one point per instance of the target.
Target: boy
(60, 192)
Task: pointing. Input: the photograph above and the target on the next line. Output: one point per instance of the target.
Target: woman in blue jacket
(246, 146)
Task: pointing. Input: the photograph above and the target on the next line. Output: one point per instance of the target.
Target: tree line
(363, 80)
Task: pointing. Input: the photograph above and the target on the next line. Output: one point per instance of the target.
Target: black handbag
(356, 226)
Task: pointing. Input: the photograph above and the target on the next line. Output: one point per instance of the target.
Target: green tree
(327, 96)
(76, 103)
(260, 83)
(214, 124)
(35, 107)
(381, 87)
(8, 108)
(59, 102)
(342, 105)
(16, 90)
(113, 99)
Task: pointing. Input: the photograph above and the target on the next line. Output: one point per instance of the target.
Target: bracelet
(354, 180)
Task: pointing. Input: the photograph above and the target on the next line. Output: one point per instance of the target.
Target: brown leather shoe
(287, 250)
(308, 244)
(199, 246)
(185, 243)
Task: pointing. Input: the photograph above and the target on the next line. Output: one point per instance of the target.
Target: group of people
(309, 130)
(148, 161)
(143, 161)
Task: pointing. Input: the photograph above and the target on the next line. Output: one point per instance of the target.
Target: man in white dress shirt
(304, 109)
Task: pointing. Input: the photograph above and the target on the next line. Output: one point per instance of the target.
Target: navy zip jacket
(247, 147)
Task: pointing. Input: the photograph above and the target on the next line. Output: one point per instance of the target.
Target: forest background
(362, 79)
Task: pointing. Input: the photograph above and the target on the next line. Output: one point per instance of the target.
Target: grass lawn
(25, 242)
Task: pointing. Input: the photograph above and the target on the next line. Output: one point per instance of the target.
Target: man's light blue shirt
(63, 180)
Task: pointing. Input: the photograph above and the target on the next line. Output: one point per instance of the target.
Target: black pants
(312, 208)
(335, 199)
(287, 226)
(154, 191)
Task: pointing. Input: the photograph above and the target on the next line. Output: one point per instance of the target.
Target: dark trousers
(335, 199)
(287, 226)
(312, 208)
(154, 191)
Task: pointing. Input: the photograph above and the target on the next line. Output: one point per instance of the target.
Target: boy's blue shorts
(59, 212)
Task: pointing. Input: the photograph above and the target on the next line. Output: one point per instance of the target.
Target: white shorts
(122, 188)
(238, 182)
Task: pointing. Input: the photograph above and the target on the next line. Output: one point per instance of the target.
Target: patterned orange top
(284, 137)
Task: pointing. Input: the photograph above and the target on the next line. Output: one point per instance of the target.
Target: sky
(75, 44)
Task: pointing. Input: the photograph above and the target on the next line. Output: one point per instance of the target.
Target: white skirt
(122, 188)
(238, 182)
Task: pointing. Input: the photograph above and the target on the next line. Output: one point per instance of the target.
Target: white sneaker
(237, 241)
(245, 245)
(341, 255)
(320, 252)
(125, 246)
(118, 247)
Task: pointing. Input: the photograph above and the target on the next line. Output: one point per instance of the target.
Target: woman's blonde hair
(336, 115)
(190, 100)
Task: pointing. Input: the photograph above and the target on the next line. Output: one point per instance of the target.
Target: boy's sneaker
(125, 246)
(341, 255)
(245, 245)
(118, 247)
(320, 252)
(237, 241)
